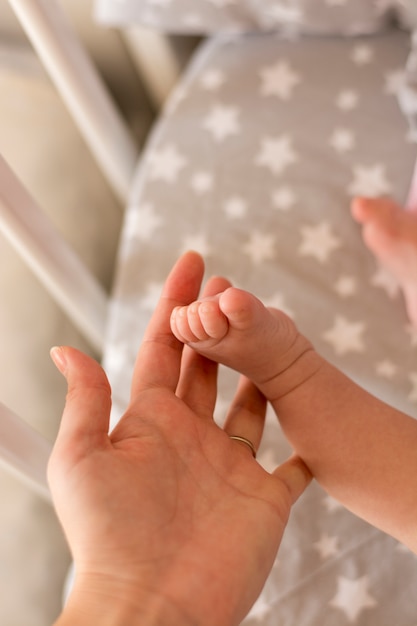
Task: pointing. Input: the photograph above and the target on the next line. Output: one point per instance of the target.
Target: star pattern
(353, 597)
(222, 122)
(197, 242)
(260, 247)
(212, 79)
(143, 222)
(166, 164)
(347, 100)
(370, 181)
(362, 54)
(283, 198)
(260, 610)
(263, 192)
(286, 14)
(236, 207)
(332, 505)
(276, 154)
(346, 286)
(345, 336)
(385, 280)
(279, 80)
(342, 140)
(278, 301)
(151, 296)
(386, 369)
(327, 546)
(318, 241)
(394, 81)
(202, 182)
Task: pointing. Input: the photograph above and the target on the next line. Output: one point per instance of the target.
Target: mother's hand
(169, 520)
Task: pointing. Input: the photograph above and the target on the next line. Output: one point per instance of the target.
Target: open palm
(168, 506)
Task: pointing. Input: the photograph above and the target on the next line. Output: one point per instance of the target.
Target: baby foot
(390, 233)
(234, 328)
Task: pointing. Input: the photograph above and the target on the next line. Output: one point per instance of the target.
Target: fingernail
(58, 357)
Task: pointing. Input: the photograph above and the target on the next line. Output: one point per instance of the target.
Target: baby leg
(390, 233)
(234, 328)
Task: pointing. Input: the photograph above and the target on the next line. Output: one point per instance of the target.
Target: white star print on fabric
(347, 100)
(236, 207)
(260, 609)
(166, 164)
(152, 293)
(346, 286)
(342, 140)
(202, 182)
(353, 597)
(345, 336)
(197, 242)
(213, 79)
(283, 198)
(394, 81)
(277, 301)
(192, 20)
(222, 122)
(260, 247)
(318, 241)
(327, 546)
(332, 505)
(384, 279)
(143, 222)
(221, 196)
(285, 14)
(369, 181)
(279, 80)
(386, 369)
(276, 154)
(362, 54)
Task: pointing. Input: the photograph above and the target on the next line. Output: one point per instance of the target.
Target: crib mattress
(253, 163)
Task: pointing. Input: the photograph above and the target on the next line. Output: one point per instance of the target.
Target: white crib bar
(81, 89)
(155, 60)
(51, 258)
(24, 452)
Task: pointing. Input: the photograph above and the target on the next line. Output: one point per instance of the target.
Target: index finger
(158, 361)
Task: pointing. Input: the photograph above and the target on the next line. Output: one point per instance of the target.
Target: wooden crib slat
(82, 90)
(51, 258)
(24, 452)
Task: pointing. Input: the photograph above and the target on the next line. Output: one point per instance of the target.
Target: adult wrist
(115, 607)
